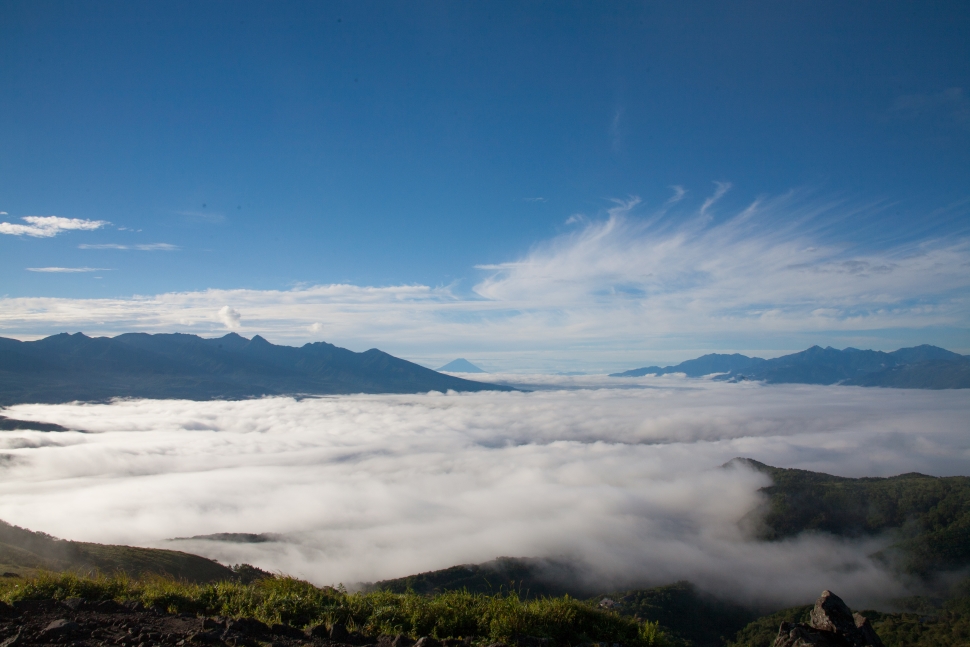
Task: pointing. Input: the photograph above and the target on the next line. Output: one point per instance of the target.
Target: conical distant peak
(460, 365)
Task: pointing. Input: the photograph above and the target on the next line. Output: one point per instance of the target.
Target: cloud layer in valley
(626, 281)
(625, 481)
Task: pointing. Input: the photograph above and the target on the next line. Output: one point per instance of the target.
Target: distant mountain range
(461, 365)
(64, 368)
(920, 367)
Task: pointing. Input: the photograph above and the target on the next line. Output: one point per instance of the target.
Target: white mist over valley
(623, 477)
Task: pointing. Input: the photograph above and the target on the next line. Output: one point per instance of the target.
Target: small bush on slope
(448, 615)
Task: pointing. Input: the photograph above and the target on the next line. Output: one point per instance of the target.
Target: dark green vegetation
(934, 625)
(63, 368)
(24, 552)
(691, 617)
(763, 631)
(928, 517)
(285, 600)
(526, 577)
(927, 624)
(920, 367)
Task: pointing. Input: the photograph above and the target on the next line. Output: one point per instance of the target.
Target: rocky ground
(80, 623)
(832, 625)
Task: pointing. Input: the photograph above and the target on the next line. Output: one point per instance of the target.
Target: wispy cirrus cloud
(679, 193)
(952, 105)
(149, 247)
(627, 283)
(48, 226)
(67, 270)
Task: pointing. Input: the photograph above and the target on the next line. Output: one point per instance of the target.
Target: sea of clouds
(622, 476)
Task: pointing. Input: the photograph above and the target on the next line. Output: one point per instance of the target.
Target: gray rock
(207, 637)
(427, 641)
(286, 631)
(7, 611)
(832, 624)
(73, 603)
(401, 640)
(865, 630)
(110, 606)
(801, 635)
(319, 631)
(339, 633)
(832, 614)
(60, 627)
(246, 627)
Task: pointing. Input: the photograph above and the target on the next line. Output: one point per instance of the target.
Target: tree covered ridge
(928, 517)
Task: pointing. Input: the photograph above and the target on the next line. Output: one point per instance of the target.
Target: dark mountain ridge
(64, 368)
(919, 367)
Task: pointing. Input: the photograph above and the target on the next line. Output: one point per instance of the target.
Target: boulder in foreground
(832, 625)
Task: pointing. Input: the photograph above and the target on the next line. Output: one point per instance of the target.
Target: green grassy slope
(457, 614)
(24, 552)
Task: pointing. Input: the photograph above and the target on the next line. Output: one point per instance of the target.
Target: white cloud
(720, 188)
(48, 226)
(608, 291)
(624, 480)
(156, 247)
(229, 318)
(679, 193)
(149, 247)
(315, 327)
(67, 270)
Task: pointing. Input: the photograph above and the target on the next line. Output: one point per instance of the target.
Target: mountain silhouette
(461, 365)
(919, 367)
(64, 368)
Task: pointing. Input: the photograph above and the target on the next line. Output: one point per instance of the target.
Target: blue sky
(533, 185)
